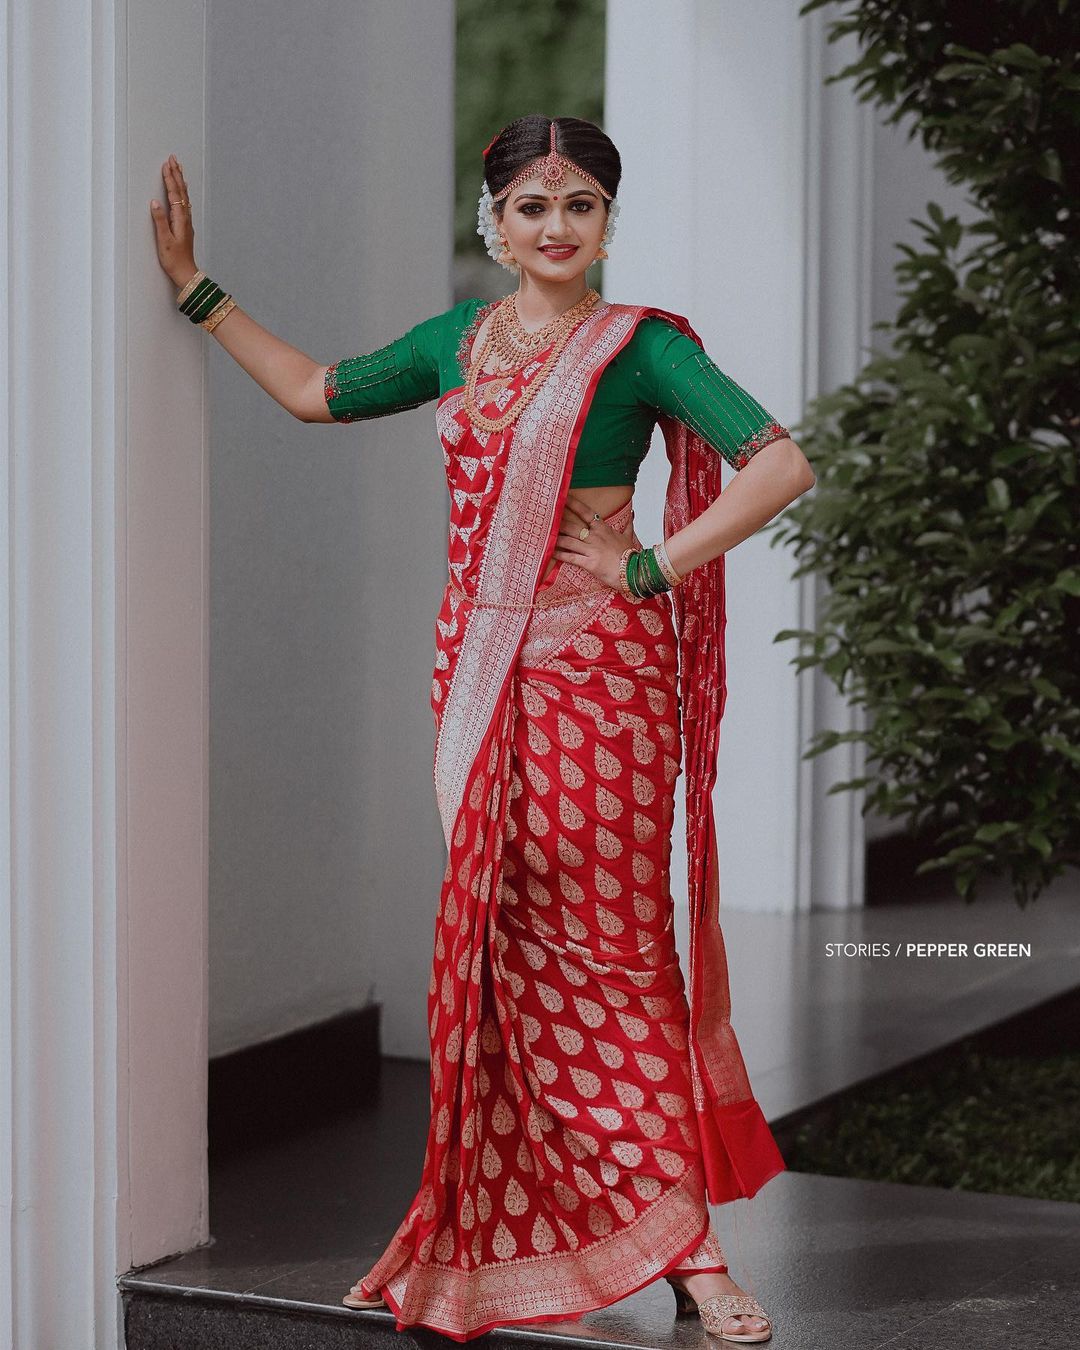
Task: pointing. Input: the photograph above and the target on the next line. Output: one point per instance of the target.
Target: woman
(583, 1111)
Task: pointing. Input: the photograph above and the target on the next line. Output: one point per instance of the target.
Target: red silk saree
(583, 1109)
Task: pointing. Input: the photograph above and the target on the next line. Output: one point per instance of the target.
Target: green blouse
(660, 370)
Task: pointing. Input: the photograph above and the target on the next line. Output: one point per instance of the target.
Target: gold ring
(583, 533)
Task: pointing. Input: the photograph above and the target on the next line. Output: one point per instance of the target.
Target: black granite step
(839, 1264)
(165, 1319)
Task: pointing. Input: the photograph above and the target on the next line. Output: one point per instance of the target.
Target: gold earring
(601, 255)
(505, 256)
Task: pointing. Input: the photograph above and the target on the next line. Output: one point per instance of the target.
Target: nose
(558, 225)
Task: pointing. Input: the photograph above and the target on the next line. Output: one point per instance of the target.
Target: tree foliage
(945, 515)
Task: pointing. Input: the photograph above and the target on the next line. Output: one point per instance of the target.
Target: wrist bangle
(624, 583)
(189, 287)
(212, 320)
(655, 581)
(204, 302)
(666, 565)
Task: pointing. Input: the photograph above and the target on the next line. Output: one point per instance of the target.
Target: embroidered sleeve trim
(748, 448)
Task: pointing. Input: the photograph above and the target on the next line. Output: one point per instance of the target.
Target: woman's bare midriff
(605, 500)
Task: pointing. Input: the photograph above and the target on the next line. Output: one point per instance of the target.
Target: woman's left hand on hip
(602, 546)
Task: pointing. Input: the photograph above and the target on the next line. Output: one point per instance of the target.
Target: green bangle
(631, 574)
(660, 582)
(202, 289)
(206, 305)
(636, 576)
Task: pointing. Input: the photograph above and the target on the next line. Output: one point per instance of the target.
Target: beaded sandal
(715, 1311)
(354, 1299)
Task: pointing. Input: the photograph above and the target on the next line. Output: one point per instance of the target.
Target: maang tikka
(552, 170)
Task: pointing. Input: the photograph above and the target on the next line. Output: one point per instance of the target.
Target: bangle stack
(646, 572)
(204, 302)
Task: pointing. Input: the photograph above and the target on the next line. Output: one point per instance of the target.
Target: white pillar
(103, 1032)
(731, 154)
(106, 492)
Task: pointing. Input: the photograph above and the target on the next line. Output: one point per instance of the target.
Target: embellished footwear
(721, 1308)
(354, 1299)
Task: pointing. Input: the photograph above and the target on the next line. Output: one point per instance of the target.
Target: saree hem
(604, 1283)
(739, 1151)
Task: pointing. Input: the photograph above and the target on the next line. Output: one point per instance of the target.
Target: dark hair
(529, 138)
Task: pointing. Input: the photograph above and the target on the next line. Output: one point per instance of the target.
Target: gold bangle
(215, 316)
(199, 276)
(624, 585)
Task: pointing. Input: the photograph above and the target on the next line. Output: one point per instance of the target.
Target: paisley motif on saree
(582, 1110)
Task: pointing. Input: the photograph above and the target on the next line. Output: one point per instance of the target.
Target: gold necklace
(514, 337)
(501, 340)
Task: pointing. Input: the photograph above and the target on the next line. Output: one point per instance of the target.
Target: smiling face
(554, 236)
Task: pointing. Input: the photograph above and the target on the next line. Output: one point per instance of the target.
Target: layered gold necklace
(515, 347)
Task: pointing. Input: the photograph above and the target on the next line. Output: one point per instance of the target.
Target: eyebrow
(540, 197)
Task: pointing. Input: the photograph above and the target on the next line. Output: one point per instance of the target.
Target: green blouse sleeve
(676, 377)
(403, 374)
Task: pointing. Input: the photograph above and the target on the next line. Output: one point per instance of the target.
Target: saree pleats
(575, 1176)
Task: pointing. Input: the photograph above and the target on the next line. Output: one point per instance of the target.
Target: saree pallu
(583, 1111)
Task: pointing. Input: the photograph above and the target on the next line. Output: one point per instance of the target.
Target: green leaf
(997, 494)
(1049, 164)
(1020, 54)
(1068, 581)
(990, 834)
(1039, 840)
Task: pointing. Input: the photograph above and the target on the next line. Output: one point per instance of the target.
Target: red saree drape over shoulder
(583, 1110)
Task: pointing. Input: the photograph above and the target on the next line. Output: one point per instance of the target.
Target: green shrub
(945, 514)
(982, 1122)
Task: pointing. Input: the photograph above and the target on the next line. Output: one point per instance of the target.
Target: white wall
(329, 133)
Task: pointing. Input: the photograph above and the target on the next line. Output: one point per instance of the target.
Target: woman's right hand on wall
(172, 225)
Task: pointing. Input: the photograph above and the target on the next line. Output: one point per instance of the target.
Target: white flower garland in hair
(612, 215)
(487, 227)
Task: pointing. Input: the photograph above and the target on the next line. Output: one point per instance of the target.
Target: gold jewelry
(199, 276)
(602, 254)
(624, 585)
(499, 340)
(583, 533)
(552, 169)
(516, 346)
(665, 563)
(216, 315)
(506, 256)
